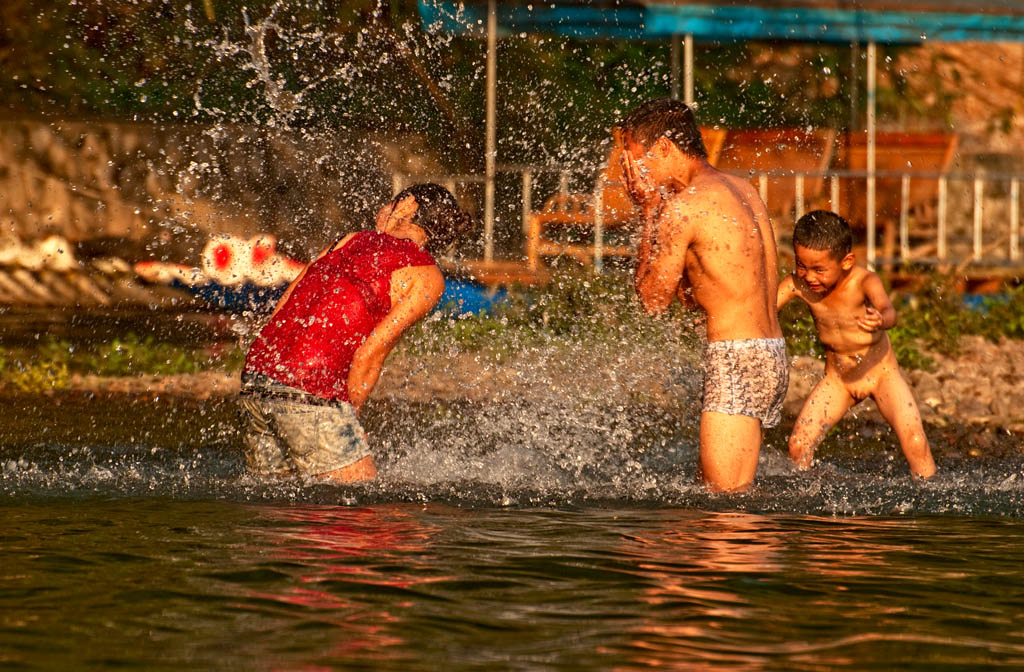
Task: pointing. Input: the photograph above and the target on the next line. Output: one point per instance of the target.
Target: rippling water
(166, 584)
(133, 538)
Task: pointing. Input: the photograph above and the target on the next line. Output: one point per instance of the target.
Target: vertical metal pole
(676, 46)
(799, 195)
(688, 69)
(872, 79)
(855, 91)
(940, 246)
(979, 195)
(905, 219)
(1014, 219)
(527, 199)
(833, 197)
(598, 223)
(563, 183)
(762, 187)
(491, 141)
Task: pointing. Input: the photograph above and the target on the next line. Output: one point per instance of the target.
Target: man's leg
(729, 446)
(824, 407)
(897, 405)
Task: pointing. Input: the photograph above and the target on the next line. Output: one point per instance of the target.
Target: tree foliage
(370, 65)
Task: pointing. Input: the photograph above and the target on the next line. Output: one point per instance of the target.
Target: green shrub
(39, 376)
(798, 329)
(577, 306)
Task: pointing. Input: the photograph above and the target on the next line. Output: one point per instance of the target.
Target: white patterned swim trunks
(747, 377)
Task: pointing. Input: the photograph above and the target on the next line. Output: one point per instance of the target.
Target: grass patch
(575, 308)
(51, 365)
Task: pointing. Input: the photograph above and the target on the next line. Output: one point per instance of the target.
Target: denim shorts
(291, 431)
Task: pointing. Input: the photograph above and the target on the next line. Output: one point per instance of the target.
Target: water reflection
(354, 564)
(700, 572)
(739, 591)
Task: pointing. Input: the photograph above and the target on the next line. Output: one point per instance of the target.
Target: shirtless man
(707, 239)
(851, 313)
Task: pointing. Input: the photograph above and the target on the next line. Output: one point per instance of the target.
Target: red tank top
(310, 342)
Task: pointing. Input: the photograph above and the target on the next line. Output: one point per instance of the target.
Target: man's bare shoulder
(704, 198)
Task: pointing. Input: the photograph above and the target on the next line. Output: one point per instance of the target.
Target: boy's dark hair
(824, 230)
(665, 117)
(438, 214)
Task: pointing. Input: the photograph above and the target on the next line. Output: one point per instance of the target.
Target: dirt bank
(982, 386)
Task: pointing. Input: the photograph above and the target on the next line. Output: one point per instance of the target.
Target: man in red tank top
(316, 361)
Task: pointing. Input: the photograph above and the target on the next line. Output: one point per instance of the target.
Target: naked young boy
(851, 314)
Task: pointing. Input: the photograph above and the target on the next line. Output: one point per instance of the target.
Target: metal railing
(946, 227)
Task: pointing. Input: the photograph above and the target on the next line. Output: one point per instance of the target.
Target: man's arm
(880, 314)
(661, 258)
(415, 290)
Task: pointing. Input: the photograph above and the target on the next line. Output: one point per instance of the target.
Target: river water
(133, 539)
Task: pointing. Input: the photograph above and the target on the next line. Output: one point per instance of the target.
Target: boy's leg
(897, 405)
(729, 445)
(361, 470)
(824, 407)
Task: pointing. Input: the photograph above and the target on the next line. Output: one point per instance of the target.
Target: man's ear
(848, 261)
(662, 147)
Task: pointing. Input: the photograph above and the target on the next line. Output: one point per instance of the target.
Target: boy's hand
(872, 320)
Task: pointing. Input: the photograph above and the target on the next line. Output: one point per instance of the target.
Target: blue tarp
(843, 22)
(460, 297)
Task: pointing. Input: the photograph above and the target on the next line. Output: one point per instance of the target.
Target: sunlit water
(507, 535)
(133, 538)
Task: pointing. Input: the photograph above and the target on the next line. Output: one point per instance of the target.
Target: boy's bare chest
(839, 309)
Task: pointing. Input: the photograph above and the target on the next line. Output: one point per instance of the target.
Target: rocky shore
(983, 386)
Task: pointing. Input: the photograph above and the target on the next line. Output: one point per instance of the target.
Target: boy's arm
(415, 290)
(880, 313)
(661, 256)
(787, 289)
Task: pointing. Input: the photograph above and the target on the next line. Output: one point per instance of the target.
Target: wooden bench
(909, 153)
(573, 215)
(780, 151)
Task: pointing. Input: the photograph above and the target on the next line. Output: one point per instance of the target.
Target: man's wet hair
(665, 117)
(824, 230)
(439, 215)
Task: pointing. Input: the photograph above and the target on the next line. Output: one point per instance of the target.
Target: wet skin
(707, 240)
(851, 314)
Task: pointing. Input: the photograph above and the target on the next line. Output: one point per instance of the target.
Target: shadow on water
(505, 454)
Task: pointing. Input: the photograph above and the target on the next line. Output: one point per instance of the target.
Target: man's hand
(871, 321)
(404, 209)
(638, 185)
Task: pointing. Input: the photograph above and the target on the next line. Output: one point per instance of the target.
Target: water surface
(133, 538)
